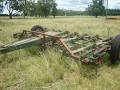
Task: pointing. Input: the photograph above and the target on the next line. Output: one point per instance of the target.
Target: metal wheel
(38, 28)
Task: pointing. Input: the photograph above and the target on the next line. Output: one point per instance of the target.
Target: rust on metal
(85, 48)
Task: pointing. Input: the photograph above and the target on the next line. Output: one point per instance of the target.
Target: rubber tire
(38, 28)
(115, 50)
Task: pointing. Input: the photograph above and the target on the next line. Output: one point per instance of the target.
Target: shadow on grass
(18, 18)
(107, 61)
(26, 18)
(89, 71)
(32, 17)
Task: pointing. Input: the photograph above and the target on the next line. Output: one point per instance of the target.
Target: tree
(31, 8)
(54, 9)
(96, 8)
(1, 6)
(11, 6)
(23, 6)
(61, 12)
(39, 8)
(44, 7)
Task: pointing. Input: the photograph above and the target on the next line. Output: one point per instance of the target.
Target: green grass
(23, 70)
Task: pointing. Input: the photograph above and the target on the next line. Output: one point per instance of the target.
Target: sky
(81, 4)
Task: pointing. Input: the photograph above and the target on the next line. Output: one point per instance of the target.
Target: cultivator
(85, 48)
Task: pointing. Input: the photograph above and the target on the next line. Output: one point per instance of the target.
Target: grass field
(26, 70)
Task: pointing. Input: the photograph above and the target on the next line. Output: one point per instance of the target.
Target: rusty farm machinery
(84, 48)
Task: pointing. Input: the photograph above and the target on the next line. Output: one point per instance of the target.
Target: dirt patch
(112, 18)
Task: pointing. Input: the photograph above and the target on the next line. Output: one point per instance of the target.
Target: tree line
(44, 8)
(113, 12)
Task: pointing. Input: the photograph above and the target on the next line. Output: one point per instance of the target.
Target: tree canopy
(96, 8)
(1, 6)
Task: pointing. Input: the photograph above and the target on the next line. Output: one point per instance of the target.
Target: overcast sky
(80, 4)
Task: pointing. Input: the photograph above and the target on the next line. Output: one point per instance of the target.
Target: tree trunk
(39, 15)
(24, 16)
(10, 15)
(96, 16)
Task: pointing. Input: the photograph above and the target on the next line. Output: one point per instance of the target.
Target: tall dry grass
(50, 70)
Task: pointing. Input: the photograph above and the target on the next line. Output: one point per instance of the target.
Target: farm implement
(84, 48)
